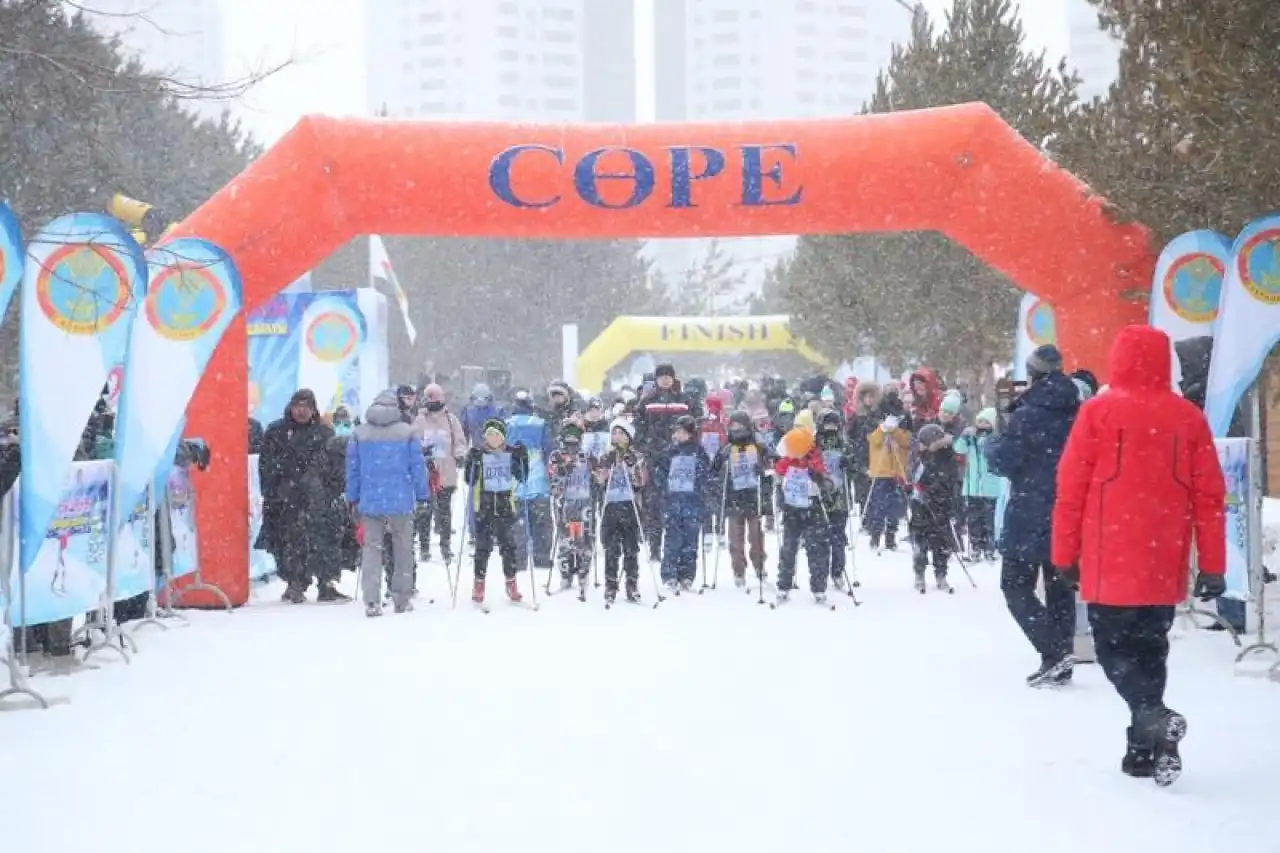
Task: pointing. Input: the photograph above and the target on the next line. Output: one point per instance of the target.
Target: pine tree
(1189, 135)
(919, 297)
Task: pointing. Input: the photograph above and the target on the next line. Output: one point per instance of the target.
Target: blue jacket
(386, 474)
(1027, 453)
(474, 416)
(527, 428)
(978, 480)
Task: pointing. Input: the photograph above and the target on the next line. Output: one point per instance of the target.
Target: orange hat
(796, 443)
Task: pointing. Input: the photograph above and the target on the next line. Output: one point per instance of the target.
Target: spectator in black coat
(1027, 453)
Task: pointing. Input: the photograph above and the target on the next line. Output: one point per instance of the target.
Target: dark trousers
(1050, 626)
(681, 526)
(809, 527)
(651, 514)
(495, 529)
(620, 535)
(302, 556)
(929, 539)
(838, 541)
(861, 488)
(533, 516)
(980, 518)
(1132, 645)
(440, 508)
(885, 507)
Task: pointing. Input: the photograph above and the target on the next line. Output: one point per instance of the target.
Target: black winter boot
(1164, 729)
(1139, 760)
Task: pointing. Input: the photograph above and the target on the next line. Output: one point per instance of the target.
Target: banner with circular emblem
(332, 332)
(1248, 322)
(194, 293)
(10, 256)
(83, 279)
(1186, 289)
(1037, 326)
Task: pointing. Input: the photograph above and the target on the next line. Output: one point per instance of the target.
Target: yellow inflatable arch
(626, 335)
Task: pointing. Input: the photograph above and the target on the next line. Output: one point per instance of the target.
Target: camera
(192, 451)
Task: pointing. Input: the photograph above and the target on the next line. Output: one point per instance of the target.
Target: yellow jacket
(888, 458)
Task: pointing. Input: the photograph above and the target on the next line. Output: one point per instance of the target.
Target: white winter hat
(625, 425)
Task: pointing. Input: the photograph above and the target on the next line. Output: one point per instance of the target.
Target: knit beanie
(804, 420)
(1044, 360)
(929, 433)
(496, 425)
(952, 403)
(988, 415)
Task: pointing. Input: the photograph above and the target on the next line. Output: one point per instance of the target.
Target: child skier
(801, 474)
(493, 473)
(887, 447)
(680, 475)
(932, 495)
(738, 470)
(571, 495)
(712, 437)
(839, 466)
(981, 488)
(622, 477)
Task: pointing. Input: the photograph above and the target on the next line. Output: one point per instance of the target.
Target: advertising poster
(261, 564)
(303, 339)
(182, 522)
(69, 574)
(1233, 455)
(135, 567)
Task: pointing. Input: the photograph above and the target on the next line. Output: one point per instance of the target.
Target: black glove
(629, 459)
(1071, 575)
(1209, 587)
(474, 456)
(519, 452)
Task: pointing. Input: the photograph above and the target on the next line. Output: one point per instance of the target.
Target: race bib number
(833, 460)
(795, 488)
(618, 489)
(682, 476)
(577, 485)
(497, 472)
(742, 469)
(595, 444)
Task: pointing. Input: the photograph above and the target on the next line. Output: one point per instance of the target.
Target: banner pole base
(111, 638)
(198, 584)
(18, 683)
(1188, 612)
(1260, 645)
(150, 618)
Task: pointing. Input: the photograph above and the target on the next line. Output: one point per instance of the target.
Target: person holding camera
(1027, 453)
(1138, 484)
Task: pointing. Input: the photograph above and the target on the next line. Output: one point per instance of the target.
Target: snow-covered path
(708, 724)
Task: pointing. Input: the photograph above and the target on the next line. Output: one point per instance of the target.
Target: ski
(524, 605)
(822, 601)
(481, 606)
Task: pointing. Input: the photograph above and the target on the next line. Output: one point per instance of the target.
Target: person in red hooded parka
(926, 397)
(1138, 483)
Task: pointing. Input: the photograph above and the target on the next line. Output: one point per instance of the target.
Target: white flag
(380, 270)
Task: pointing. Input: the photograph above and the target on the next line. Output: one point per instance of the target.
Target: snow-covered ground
(709, 724)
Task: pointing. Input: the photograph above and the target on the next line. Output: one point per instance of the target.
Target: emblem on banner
(332, 337)
(1259, 266)
(1193, 285)
(1039, 324)
(82, 289)
(185, 301)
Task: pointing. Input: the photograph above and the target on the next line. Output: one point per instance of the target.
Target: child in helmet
(680, 477)
(621, 476)
(738, 470)
(571, 494)
(839, 464)
(802, 478)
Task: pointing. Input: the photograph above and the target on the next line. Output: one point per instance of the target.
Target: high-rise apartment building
(718, 60)
(754, 59)
(181, 39)
(1091, 51)
(502, 60)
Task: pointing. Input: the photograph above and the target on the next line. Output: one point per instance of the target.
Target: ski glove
(890, 424)
(970, 432)
(1071, 575)
(1209, 587)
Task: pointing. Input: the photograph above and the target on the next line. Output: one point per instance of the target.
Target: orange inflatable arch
(958, 170)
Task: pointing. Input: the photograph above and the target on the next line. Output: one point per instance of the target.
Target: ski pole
(456, 578)
(963, 565)
(595, 564)
(760, 522)
(555, 546)
(724, 503)
(528, 555)
(653, 573)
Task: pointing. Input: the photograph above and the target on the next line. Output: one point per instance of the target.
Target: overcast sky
(327, 49)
